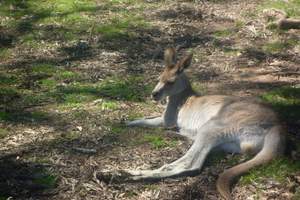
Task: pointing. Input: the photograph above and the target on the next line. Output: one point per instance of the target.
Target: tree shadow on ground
(25, 180)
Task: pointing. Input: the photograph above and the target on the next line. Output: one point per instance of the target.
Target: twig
(84, 150)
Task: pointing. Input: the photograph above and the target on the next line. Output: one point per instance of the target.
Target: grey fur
(224, 122)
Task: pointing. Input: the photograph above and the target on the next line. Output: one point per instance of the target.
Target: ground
(71, 73)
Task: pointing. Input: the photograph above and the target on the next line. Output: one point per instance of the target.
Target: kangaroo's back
(227, 109)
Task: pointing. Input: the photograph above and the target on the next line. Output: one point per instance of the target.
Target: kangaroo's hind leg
(189, 164)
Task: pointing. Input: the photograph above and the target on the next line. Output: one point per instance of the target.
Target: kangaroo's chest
(196, 112)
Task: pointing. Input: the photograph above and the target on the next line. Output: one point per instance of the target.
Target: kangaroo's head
(172, 80)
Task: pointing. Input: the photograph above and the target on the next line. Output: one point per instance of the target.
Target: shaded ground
(72, 72)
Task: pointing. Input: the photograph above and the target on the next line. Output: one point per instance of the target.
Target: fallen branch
(288, 23)
(84, 150)
(282, 21)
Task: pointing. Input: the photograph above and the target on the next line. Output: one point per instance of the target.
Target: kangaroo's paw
(117, 176)
(133, 123)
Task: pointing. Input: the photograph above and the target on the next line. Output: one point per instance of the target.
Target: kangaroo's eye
(170, 82)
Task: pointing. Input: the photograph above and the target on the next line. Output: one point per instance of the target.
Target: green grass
(8, 79)
(76, 93)
(78, 98)
(239, 24)
(44, 69)
(48, 83)
(113, 88)
(139, 136)
(67, 75)
(71, 135)
(3, 115)
(158, 142)
(297, 194)
(4, 53)
(279, 46)
(70, 20)
(130, 89)
(109, 105)
(291, 7)
(286, 101)
(277, 170)
(46, 179)
(223, 33)
(121, 27)
(15, 116)
(8, 94)
(3, 133)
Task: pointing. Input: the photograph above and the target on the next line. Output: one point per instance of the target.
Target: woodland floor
(72, 72)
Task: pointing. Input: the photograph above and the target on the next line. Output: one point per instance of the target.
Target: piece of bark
(288, 23)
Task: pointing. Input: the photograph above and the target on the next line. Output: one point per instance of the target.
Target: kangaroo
(228, 123)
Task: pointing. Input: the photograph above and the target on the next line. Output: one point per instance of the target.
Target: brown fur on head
(172, 80)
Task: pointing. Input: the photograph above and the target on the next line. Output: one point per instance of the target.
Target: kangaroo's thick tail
(273, 146)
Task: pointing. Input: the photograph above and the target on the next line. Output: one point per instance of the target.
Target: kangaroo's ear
(184, 63)
(170, 57)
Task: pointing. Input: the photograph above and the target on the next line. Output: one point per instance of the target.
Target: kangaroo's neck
(175, 103)
(180, 98)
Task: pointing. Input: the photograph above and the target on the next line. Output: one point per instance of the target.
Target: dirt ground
(59, 154)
